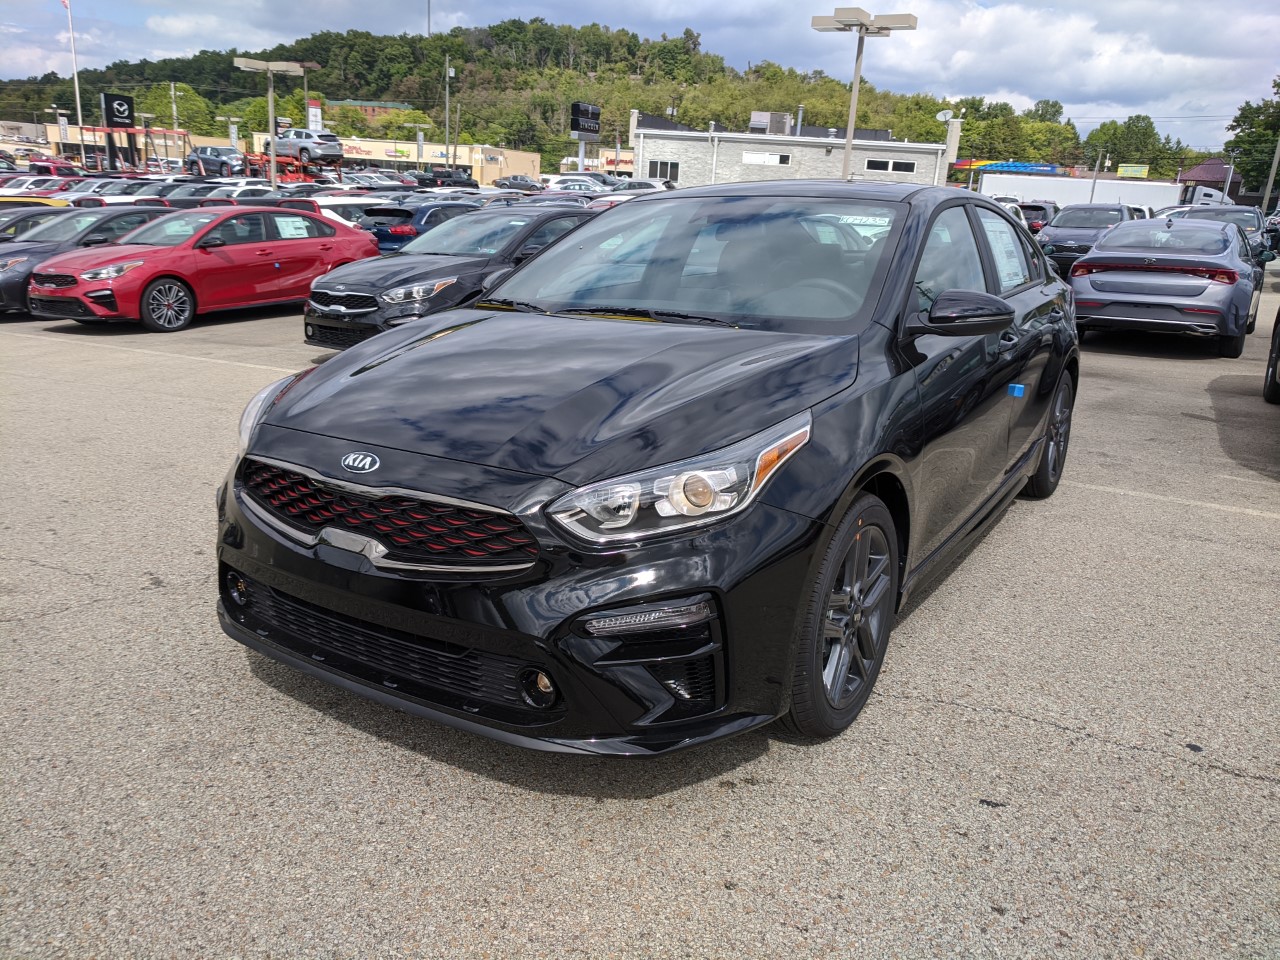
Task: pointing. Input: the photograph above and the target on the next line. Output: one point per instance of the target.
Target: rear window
(1187, 238)
(385, 216)
(328, 138)
(1245, 219)
(1034, 212)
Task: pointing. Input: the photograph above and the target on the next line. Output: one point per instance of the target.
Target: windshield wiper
(521, 305)
(663, 316)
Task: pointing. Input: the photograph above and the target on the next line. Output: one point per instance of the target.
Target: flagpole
(80, 115)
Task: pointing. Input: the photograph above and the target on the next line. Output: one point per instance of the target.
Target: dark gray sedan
(1195, 277)
(1248, 219)
(1075, 229)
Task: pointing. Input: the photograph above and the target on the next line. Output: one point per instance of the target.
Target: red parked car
(53, 189)
(196, 261)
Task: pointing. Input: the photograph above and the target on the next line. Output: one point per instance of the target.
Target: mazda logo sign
(360, 462)
(121, 108)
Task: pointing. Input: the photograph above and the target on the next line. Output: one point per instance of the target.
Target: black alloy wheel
(1057, 437)
(845, 634)
(167, 305)
(1271, 386)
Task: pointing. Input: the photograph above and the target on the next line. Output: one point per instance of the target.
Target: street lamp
(856, 20)
(233, 134)
(306, 98)
(270, 68)
(420, 127)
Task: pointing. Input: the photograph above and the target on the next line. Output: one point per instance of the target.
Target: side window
(246, 228)
(950, 260)
(290, 226)
(1012, 270)
(551, 230)
(1035, 259)
(122, 225)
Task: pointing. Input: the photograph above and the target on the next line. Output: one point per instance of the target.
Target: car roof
(832, 189)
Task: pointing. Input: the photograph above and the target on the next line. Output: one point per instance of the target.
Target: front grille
(339, 337)
(53, 280)
(60, 307)
(413, 530)
(430, 669)
(348, 301)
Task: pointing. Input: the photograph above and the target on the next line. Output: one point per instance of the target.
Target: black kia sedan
(79, 228)
(435, 271)
(669, 480)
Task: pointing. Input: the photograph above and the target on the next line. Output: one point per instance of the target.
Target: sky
(1102, 59)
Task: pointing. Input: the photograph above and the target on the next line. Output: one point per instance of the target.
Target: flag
(67, 4)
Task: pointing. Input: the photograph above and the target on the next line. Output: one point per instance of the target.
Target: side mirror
(493, 279)
(94, 240)
(963, 313)
(1048, 250)
(527, 251)
(209, 242)
(1266, 256)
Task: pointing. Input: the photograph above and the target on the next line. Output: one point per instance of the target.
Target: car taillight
(403, 230)
(1216, 274)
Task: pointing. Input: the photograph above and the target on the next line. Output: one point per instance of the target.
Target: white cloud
(1100, 58)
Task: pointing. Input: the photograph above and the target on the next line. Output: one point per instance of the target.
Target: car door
(964, 415)
(1039, 302)
(303, 248)
(234, 263)
(540, 236)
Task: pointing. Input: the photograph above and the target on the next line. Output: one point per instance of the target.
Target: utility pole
(1271, 178)
(173, 101)
(1231, 172)
(457, 130)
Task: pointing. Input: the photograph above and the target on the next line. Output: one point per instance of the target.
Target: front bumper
(90, 301)
(13, 290)
(457, 648)
(339, 329)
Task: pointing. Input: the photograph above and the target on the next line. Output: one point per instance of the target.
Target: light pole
(306, 97)
(270, 68)
(146, 119)
(59, 117)
(1231, 172)
(856, 20)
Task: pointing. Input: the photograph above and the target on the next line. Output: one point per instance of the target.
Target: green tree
(1045, 111)
(1257, 128)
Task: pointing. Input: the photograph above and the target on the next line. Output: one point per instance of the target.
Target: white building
(695, 158)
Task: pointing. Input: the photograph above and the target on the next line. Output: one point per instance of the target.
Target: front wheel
(1057, 436)
(845, 633)
(224, 170)
(167, 305)
(304, 155)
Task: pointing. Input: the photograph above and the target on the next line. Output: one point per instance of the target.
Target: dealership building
(775, 148)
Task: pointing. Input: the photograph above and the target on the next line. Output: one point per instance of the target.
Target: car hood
(577, 398)
(382, 273)
(1071, 234)
(34, 250)
(86, 259)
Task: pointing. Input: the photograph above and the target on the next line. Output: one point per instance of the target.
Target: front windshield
(171, 230)
(1151, 235)
(1095, 218)
(796, 264)
(141, 189)
(63, 228)
(470, 235)
(196, 190)
(1246, 219)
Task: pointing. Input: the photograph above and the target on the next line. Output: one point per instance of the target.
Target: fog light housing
(311, 331)
(237, 588)
(538, 689)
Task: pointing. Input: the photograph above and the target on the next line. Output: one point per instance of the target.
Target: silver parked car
(215, 161)
(1195, 277)
(309, 145)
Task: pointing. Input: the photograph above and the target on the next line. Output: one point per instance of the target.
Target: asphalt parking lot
(1072, 751)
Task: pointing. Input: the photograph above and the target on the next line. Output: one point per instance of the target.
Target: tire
(845, 633)
(304, 155)
(1270, 388)
(1057, 438)
(167, 305)
(224, 170)
(1231, 347)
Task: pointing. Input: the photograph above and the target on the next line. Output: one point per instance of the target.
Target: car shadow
(1242, 417)
(576, 775)
(1151, 345)
(126, 328)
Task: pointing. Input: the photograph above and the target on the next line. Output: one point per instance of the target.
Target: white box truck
(1064, 190)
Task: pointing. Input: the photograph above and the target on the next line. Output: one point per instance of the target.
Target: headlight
(681, 495)
(262, 401)
(417, 291)
(11, 262)
(111, 272)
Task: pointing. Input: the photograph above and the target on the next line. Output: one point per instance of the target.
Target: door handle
(264, 253)
(326, 246)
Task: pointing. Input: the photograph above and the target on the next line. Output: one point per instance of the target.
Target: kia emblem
(360, 462)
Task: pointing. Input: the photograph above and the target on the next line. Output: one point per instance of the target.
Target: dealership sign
(117, 110)
(584, 122)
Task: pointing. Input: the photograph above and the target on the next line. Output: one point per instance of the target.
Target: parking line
(1181, 501)
(154, 353)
